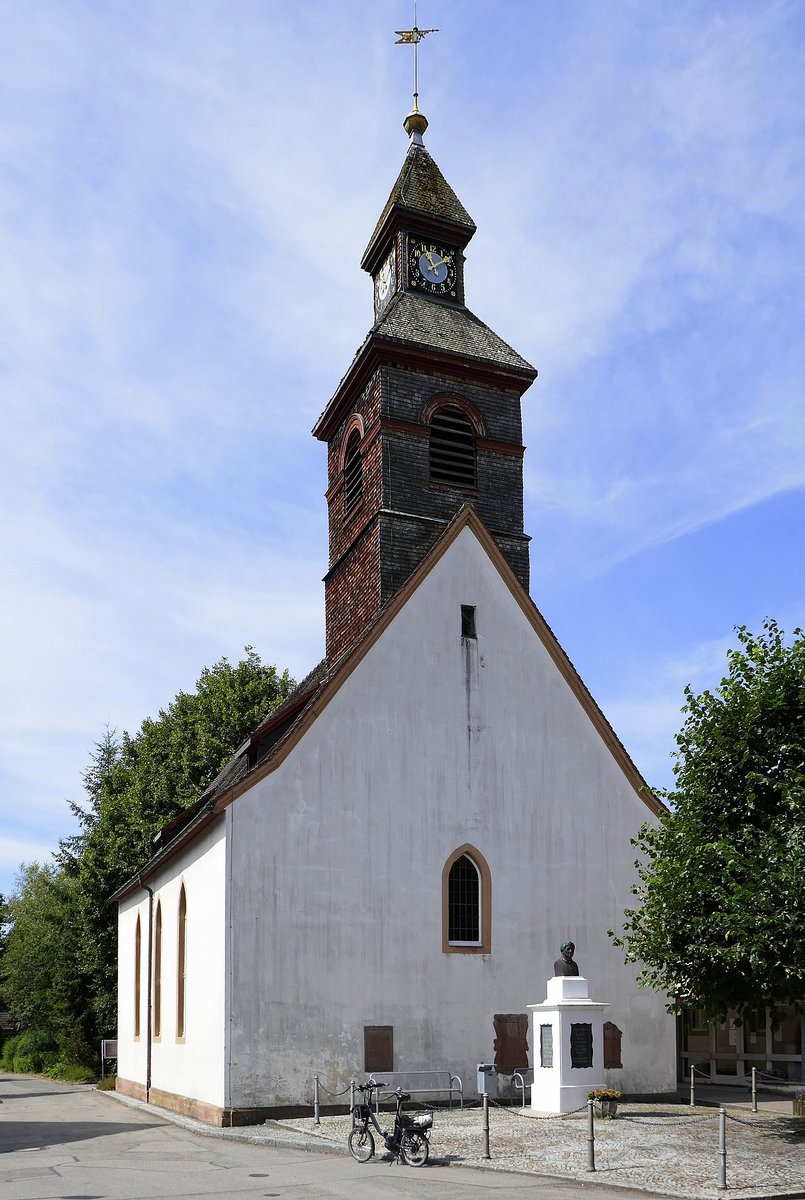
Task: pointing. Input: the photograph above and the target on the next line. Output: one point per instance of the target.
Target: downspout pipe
(149, 988)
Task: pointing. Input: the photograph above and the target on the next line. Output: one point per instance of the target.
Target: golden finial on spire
(416, 122)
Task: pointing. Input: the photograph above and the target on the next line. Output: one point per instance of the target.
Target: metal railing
(520, 1081)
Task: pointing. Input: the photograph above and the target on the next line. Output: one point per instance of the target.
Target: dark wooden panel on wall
(511, 1042)
(612, 1045)
(378, 1047)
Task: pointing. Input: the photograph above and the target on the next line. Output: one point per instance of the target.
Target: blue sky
(186, 191)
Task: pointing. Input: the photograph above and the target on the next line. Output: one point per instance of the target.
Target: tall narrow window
(138, 950)
(466, 903)
(353, 472)
(157, 1023)
(181, 964)
(452, 449)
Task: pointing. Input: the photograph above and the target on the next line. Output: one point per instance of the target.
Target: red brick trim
(354, 422)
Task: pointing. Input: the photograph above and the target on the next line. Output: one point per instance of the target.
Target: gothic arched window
(138, 953)
(158, 971)
(181, 965)
(452, 448)
(353, 472)
(466, 903)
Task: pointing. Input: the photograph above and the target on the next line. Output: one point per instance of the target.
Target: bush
(29, 1053)
(71, 1073)
(107, 1084)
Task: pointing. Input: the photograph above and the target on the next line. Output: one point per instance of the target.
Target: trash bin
(487, 1080)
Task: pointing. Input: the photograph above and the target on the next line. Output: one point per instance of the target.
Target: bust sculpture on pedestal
(566, 965)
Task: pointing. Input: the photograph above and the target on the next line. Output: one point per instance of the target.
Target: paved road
(68, 1143)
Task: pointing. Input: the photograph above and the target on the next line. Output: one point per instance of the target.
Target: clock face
(432, 268)
(384, 282)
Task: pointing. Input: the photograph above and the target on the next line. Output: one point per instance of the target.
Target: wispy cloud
(183, 204)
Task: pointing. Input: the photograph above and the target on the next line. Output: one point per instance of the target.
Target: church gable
(420, 632)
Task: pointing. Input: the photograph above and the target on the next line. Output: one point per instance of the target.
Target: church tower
(427, 418)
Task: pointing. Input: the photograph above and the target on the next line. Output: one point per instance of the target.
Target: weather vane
(412, 37)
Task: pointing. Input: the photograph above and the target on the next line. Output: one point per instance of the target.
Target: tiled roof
(421, 188)
(450, 328)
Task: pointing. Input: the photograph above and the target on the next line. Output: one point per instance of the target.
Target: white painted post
(486, 1153)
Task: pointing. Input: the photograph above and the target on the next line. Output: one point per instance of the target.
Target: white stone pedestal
(563, 1029)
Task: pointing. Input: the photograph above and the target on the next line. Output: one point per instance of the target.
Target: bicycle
(407, 1139)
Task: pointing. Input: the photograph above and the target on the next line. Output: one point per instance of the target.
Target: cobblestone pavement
(667, 1149)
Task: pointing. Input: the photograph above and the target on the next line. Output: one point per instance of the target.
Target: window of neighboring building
(181, 964)
(138, 948)
(466, 903)
(452, 448)
(353, 472)
(158, 970)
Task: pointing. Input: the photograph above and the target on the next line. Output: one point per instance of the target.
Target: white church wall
(191, 1065)
(432, 742)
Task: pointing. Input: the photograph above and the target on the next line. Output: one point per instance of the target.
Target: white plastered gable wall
(431, 742)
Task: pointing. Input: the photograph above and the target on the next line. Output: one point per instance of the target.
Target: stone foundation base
(223, 1118)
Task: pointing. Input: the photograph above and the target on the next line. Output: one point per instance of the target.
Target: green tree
(721, 897)
(59, 970)
(40, 976)
(137, 783)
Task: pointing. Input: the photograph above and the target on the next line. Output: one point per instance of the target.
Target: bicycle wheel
(415, 1148)
(361, 1143)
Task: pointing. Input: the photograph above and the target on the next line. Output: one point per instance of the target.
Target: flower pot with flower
(606, 1100)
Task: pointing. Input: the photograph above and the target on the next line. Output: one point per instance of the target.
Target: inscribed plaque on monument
(546, 1045)
(581, 1045)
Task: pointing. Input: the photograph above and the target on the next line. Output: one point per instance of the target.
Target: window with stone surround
(181, 965)
(158, 971)
(466, 903)
(138, 951)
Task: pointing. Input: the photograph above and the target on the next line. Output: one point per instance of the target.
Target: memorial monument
(567, 1034)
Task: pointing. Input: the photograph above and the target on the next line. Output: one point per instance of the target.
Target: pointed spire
(416, 122)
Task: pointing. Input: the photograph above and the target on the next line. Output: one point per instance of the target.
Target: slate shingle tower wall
(424, 352)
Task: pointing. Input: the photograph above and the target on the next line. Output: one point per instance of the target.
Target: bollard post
(590, 1136)
(316, 1099)
(486, 1153)
(722, 1149)
(754, 1089)
(352, 1102)
(692, 1087)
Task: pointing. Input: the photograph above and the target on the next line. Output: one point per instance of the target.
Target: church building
(381, 878)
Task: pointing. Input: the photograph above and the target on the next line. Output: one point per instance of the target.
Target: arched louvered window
(181, 964)
(353, 472)
(157, 1021)
(466, 903)
(452, 449)
(138, 954)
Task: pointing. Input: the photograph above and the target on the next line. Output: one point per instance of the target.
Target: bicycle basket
(361, 1112)
(423, 1120)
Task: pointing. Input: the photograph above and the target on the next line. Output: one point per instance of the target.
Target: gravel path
(667, 1149)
